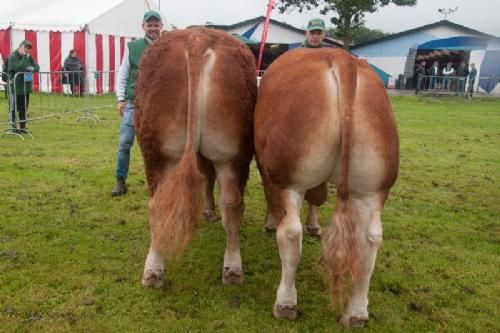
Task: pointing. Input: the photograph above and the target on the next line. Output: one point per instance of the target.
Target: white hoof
(353, 322)
(153, 279)
(232, 275)
(285, 311)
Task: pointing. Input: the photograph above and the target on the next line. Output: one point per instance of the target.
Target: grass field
(71, 256)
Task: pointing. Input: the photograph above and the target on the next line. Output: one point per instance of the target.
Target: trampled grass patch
(71, 256)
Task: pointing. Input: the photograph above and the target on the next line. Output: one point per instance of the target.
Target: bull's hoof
(313, 231)
(232, 276)
(210, 215)
(285, 311)
(153, 279)
(353, 322)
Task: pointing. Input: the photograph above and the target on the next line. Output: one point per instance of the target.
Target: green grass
(71, 256)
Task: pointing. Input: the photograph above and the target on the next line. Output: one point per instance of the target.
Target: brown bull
(324, 116)
(195, 98)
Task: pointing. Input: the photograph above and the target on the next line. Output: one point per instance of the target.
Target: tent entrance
(442, 57)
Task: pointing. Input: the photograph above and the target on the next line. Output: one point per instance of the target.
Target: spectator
(420, 74)
(76, 75)
(152, 25)
(20, 61)
(447, 73)
(472, 79)
(462, 73)
(433, 75)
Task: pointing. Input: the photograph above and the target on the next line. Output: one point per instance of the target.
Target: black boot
(120, 187)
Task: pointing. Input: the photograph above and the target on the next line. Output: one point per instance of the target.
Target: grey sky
(481, 15)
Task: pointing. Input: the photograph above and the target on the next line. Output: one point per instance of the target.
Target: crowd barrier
(57, 93)
(451, 85)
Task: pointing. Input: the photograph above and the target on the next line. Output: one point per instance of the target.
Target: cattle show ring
(270, 185)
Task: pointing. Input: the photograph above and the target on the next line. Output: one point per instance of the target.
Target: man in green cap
(152, 26)
(20, 61)
(315, 34)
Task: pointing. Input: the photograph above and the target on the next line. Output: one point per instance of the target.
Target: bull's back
(225, 92)
(298, 121)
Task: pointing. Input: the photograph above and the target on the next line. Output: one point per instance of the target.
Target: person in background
(76, 76)
(20, 86)
(472, 80)
(152, 26)
(5, 77)
(447, 73)
(462, 73)
(420, 74)
(315, 34)
(433, 75)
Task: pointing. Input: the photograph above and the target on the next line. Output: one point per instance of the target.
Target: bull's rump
(225, 95)
(298, 123)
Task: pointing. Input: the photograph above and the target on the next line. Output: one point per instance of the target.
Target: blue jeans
(127, 135)
(446, 83)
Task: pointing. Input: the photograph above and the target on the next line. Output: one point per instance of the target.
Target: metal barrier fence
(42, 95)
(457, 85)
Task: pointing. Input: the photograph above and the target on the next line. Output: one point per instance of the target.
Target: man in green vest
(152, 25)
(20, 61)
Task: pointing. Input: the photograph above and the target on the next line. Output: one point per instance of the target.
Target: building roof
(425, 27)
(253, 21)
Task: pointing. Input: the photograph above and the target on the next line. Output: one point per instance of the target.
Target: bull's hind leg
(315, 197)
(154, 275)
(313, 226)
(231, 182)
(367, 210)
(208, 191)
(289, 237)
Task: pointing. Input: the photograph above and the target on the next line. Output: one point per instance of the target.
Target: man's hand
(121, 107)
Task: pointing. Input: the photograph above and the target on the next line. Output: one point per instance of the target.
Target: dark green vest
(135, 50)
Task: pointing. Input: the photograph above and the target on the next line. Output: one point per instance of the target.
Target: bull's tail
(341, 247)
(176, 206)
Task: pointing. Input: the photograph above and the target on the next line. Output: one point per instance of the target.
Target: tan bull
(195, 99)
(324, 116)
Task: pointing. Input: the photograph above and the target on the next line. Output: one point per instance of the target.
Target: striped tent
(98, 30)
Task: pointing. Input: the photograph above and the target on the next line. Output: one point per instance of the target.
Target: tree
(359, 34)
(349, 14)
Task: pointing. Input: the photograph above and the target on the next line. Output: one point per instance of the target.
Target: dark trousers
(420, 83)
(76, 80)
(19, 103)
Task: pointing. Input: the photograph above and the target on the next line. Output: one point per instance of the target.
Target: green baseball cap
(316, 24)
(26, 43)
(151, 15)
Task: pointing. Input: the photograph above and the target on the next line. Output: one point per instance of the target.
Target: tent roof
(68, 15)
(253, 21)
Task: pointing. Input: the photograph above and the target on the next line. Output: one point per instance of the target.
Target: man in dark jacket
(75, 76)
(462, 73)
(20, 86)
(433, 75)
(420, 76)
(472, 79)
